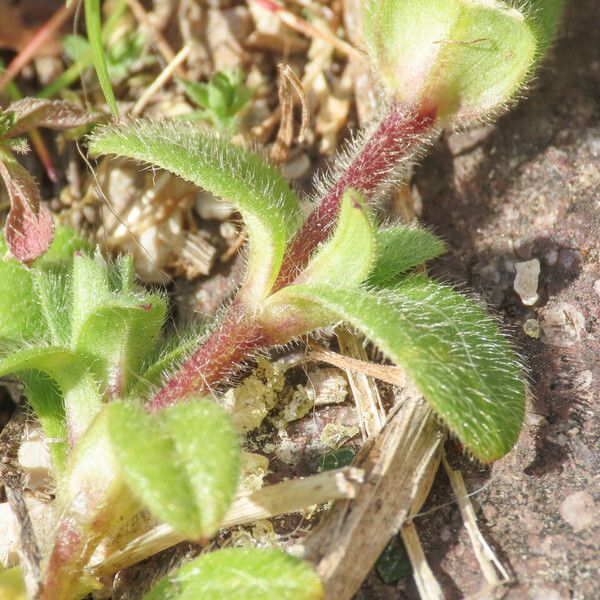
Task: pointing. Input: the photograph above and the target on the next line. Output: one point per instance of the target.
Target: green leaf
(7, 121)
(401, 248)
(21, 310)
(168, 357)
(448, 346)
(347, 257)
(463, 58)
(53, 290)
(394, 563)
(111, 325)
(223, 97)
(69, 370)
(94, 32)
(75, 46)
(241, 574)
(267, 203)
(20, 315)
(46, 399)
(12, 584)
(182, 462)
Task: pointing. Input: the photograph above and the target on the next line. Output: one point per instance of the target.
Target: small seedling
(221, 99)
(126, 411)
(122, 58)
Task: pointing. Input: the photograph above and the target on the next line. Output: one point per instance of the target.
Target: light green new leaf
(267, 203)
(401, 248)
(462, 58)
(448, 346)
(182, 463)
(347, 257)
(112, 325)
(168, 357)
(52, 287)
(241, 574)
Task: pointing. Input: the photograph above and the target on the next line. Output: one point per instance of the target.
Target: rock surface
(529, 188)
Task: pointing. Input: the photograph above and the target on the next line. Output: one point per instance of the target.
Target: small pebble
(526, 281)
(579, 510)
(532, 328)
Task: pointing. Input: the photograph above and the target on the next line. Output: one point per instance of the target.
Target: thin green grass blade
(94, 32)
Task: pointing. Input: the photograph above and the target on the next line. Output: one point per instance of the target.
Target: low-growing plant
(126, 411)
(220, 100)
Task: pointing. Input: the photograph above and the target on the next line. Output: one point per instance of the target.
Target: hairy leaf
(112, 325)
(54, 114)
(268, 205)
(69, 370)
(21, 317)
(29, 228)
(241, 574)
(45, 398)
(464, 58)
(182, 462)
(401, 248)
(448, 346)
(21, 308)
(347, 257)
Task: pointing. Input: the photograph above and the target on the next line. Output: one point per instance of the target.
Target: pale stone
(579, 510)
(35, 461)
(526, 281)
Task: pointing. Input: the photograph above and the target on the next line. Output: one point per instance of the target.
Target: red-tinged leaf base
(28, 235)
(29, 229)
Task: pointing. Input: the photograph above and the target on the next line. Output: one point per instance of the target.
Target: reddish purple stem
(394, 139)
(236, 337)
(398, 135)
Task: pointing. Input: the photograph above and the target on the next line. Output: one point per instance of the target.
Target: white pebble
(526, 281)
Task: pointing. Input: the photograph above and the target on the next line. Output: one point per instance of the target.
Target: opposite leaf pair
(453, 352)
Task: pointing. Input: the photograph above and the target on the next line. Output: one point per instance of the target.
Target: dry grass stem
(427, 584)
(488, 562)
(371, 414)
(282, 498)
(165, 75)
(387, 373)
(289, 83)
(351, 537)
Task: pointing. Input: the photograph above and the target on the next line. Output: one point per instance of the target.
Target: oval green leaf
(268, 205)
(347, 256)
(182, 462)
(448, 346)
(241, 574)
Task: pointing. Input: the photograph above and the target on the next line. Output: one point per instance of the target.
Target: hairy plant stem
(397, 137)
